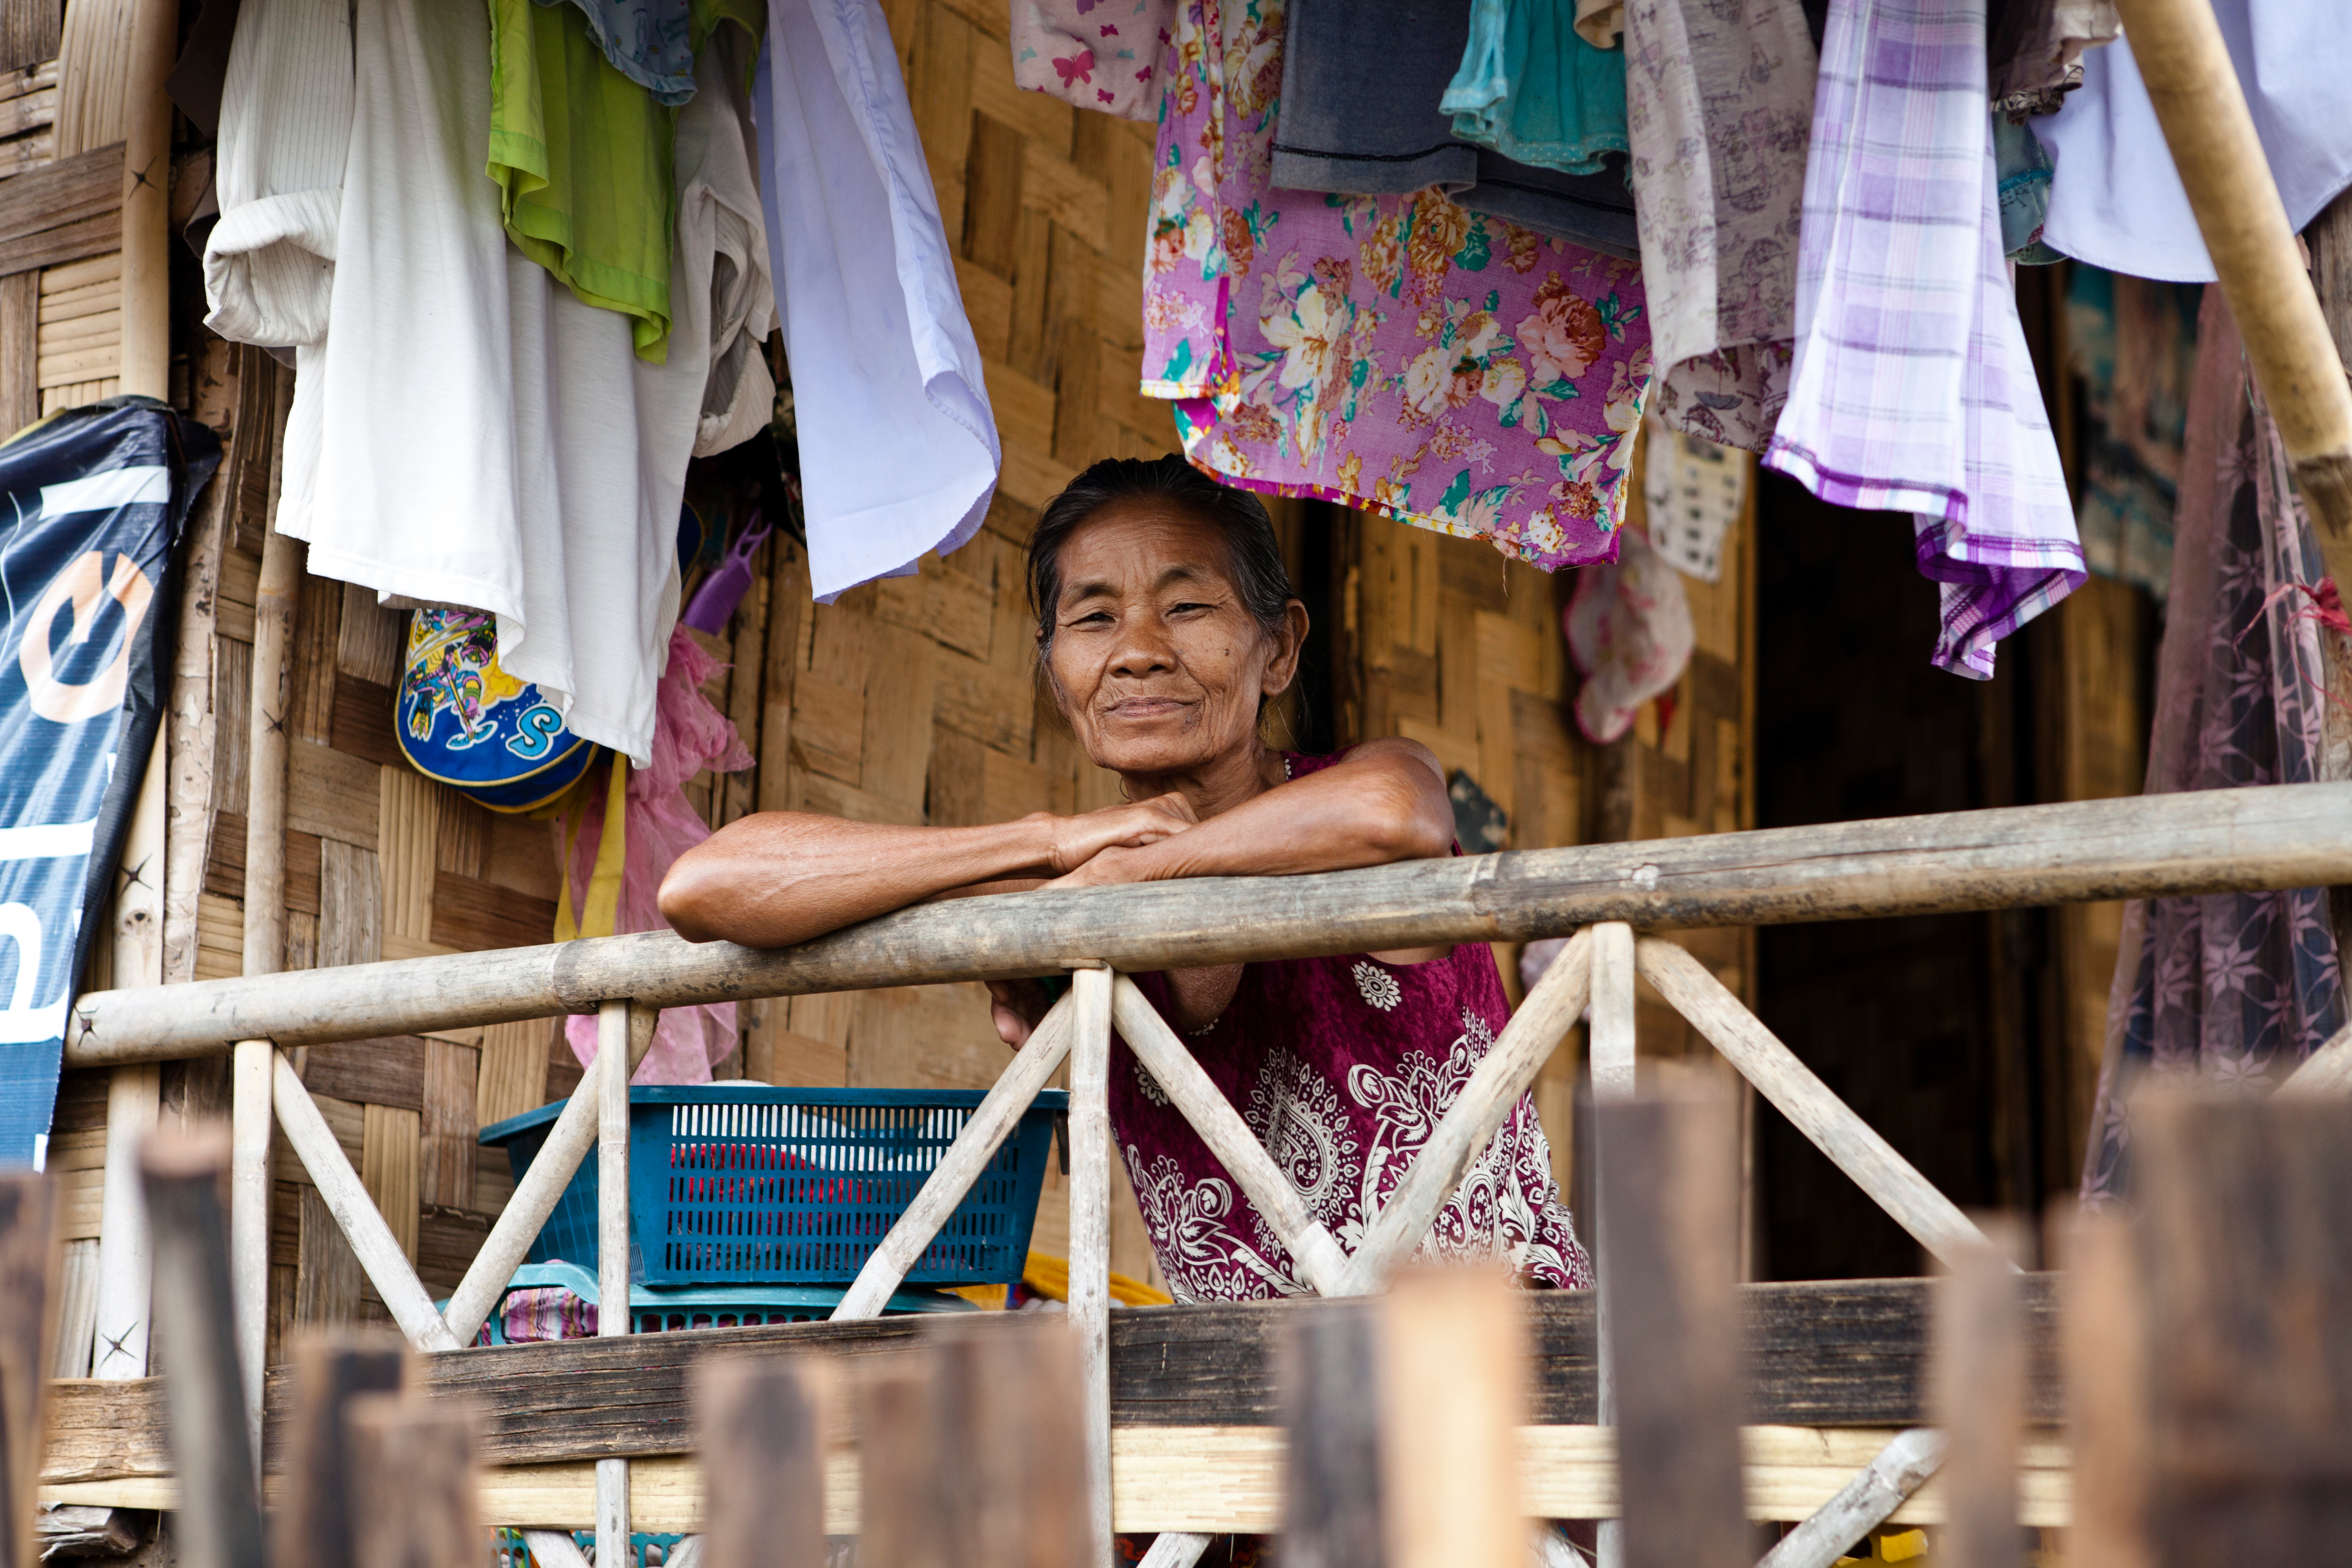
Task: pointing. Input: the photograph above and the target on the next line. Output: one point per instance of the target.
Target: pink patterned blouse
(1342, 1067)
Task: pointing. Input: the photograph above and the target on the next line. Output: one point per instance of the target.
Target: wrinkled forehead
(1142, 545)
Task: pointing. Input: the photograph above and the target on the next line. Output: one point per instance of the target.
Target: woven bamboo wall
(1446, 642)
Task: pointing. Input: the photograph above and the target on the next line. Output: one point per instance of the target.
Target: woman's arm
(783, 877)
(1386, 801)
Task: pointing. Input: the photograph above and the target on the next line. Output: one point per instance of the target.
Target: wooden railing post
(1612, 1049)
(1090, 990)
(613, 1021)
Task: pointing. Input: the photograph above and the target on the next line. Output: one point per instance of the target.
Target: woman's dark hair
(1237, 515)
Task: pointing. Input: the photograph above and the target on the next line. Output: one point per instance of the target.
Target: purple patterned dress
(1343, 1067)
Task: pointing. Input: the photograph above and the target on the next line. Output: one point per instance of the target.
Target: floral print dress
(1342, 1067)
(1398, 354)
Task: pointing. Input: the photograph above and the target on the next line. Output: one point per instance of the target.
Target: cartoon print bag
(466, 723)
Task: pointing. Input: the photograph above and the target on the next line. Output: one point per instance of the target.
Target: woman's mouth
(1139, 709)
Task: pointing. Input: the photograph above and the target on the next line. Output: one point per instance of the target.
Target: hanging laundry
(2116, 201)
(1531, 88)
(1912, 389)
(582, 160)
(660, 825)
(2035, 58)
(2232, 989)
(1629, 629)
(465, 431)
(1102, 55)
(95, 500)
(1360, 116)
(1600, 23)
(2134, 344)
(2022, 170)
(1719, 97)
(651, 42)
(1392, 353)
(899, 448)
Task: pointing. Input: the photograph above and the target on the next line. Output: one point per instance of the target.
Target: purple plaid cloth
(1912, 389)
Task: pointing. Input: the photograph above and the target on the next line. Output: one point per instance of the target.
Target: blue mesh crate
(753, 1185)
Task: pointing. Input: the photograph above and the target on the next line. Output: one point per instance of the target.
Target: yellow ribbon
(603, 903)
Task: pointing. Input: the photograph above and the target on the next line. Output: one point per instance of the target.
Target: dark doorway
(1927, 1027)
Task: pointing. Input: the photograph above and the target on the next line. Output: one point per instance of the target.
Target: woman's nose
(1143, 649)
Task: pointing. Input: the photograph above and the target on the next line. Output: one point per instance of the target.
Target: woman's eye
(1186, 607)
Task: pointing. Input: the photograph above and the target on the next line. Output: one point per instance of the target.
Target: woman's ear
(1289, 641)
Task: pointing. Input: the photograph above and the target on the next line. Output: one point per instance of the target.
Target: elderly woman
(1165, 621)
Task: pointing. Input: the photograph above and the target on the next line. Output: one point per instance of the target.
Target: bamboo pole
(1089, 1292)
(1321, 1262)
(1612, 1048)
(146, 201)
(252, 1078)
(992, 1121)
(346, 1198)
(125, 1279)
(613, 1314)
(2281, 836)
(1477, 1113)
(2191, 83)
(1864, 1504)
(1893, 1183)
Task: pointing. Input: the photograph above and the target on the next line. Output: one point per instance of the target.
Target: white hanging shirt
(2116, 200)
(469, 432)
(899, 449)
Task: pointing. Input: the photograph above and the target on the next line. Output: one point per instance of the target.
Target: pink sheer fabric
(1343, 1067)
(689, 735)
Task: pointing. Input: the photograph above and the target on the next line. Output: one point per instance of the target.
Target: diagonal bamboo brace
(1893, 1183)
(992, 1121)
(1187, 1084)
(1479, 1112)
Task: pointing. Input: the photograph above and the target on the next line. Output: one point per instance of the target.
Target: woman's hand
(1015, 1008)
(1078, 840)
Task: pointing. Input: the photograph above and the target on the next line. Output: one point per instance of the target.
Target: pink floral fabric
(1398, 353)
(689, 735)
(1102, 55)
(1343, 1067)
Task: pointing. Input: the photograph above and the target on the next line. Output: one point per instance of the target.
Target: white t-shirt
(899, 448)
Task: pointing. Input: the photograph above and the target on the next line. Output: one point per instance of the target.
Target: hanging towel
(2229, 989)
(466, 432)
(1102, 55)
(1719, 97)
(1443, 368)
(1912, 389)
(1531, 88)
(2117, 202)
(1355, 114)
(898, 448)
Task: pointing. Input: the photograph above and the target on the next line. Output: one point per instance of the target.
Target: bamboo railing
(2247, 840)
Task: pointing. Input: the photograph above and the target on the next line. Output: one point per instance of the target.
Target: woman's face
(1156, 662)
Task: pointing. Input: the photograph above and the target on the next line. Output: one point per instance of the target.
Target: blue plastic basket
(749, 1185)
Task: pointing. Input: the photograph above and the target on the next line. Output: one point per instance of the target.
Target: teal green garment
(1534, 91)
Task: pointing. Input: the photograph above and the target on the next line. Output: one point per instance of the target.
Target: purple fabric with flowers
(1343, 1067)
(2228, 991)
(1398, 353)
